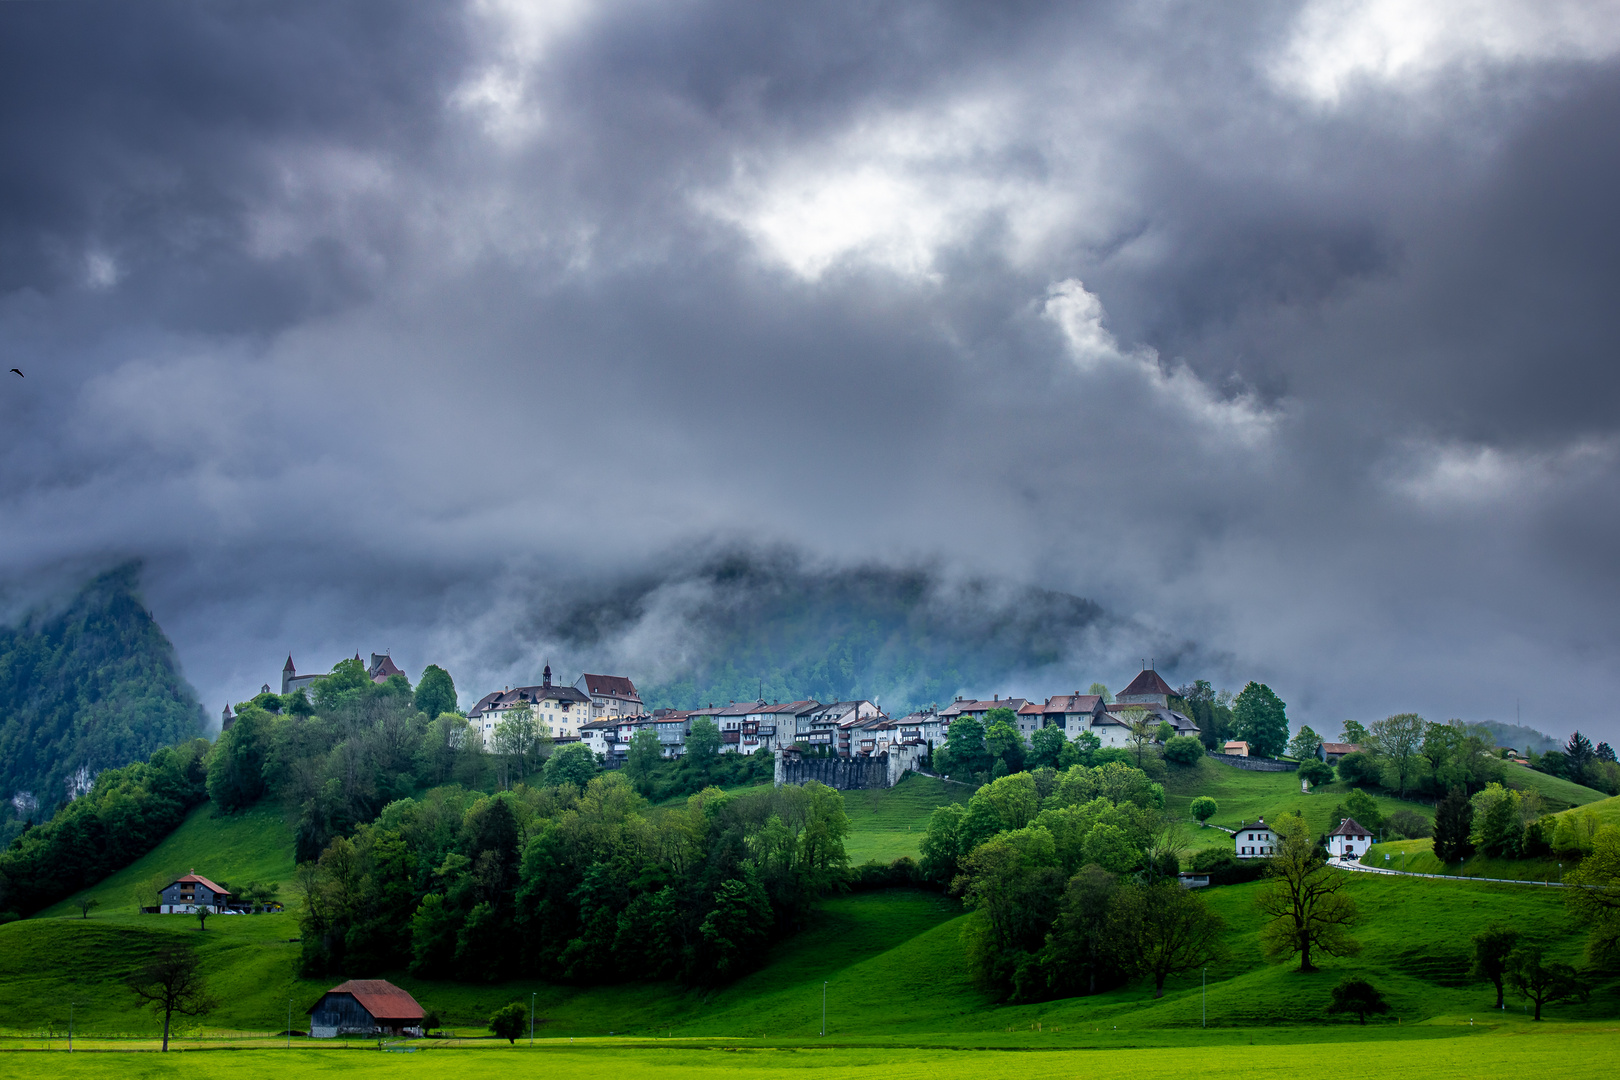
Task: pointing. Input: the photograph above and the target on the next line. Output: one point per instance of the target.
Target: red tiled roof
(610, 685)
(383, 1000)
(1147, 683)
(1340, 748)
(218, 890)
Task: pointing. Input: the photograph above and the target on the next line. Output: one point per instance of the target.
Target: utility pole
(824, 1009)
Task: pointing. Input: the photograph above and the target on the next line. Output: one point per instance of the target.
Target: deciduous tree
(1305, 743)
(509, 1021)
(1305, 901)
(1165, 930)
(170, 983)
(1595, 900)
(1260, 718)
(1491, 949)
(1541, 981)
(436, 693)
(1360, 997)
(1203, 808)
(1397, 740)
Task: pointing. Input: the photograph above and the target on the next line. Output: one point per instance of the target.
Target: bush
(1359, 768)
(1316, 772)
(1203, 808)
(1408, 825)
(1183, 750)
(902, 873)
(508, 1023)
(1225, 868)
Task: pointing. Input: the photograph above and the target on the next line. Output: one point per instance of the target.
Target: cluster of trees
(1255, 715)
(1062, 870)
(581, 884)
(124, 815)
(1504, 823)
(1580, 761)
(1071, 879)
(1408, 755)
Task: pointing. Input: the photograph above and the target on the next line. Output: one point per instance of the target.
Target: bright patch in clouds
(1094, 349)
(1337, 44)
(895, 190)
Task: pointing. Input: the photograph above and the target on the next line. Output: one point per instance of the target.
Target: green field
(891, 962)
(232, 849)
(1245, 796)
(886, 824)
(1556, 792)
(1569, 1053)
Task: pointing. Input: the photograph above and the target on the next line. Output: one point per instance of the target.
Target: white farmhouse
(1350, 840)
(1254, 841)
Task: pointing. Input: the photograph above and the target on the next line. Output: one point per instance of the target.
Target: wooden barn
(365, 1007)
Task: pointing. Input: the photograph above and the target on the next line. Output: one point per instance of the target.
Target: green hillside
(92, 686)
(1556, 792)
(888, 824)
(232, 849)
(892, 962)
(1244, 796)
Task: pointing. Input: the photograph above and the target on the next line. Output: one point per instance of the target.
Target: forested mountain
(91, 686)
(753, 624)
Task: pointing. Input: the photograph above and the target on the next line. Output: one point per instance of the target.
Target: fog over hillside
(478, 332)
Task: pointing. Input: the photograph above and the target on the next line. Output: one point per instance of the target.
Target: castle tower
(226, 719)
(288, 673)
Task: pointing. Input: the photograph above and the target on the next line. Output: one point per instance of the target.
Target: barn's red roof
(382, 999)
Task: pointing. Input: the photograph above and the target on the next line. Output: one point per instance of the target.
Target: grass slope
(254, 845)
(892, 962)
(1245, 796)
(1556, 792)
(887, 824)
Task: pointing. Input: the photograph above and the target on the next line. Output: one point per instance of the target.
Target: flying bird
(19, 374)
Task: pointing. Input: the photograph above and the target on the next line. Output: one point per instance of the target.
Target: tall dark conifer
(1453, 821)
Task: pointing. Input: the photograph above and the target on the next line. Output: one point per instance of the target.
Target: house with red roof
(365, 1007)
(184, 895)
(1350, 840)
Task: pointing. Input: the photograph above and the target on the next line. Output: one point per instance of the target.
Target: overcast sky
(1286, 329)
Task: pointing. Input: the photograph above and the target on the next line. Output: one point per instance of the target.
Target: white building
(1254, 841)
(611, 695)
(1350, 840)
(561, 708)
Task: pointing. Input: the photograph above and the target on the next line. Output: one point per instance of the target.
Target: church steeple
(545, 676)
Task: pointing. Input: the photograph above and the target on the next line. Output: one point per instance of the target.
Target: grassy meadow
(891, 964)
(1570, 1053)
(232, 849)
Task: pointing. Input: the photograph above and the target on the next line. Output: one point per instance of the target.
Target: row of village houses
(605, 712)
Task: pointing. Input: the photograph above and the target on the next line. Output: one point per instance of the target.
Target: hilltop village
(605, 712)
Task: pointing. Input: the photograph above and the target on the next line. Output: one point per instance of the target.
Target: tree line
(583, 884)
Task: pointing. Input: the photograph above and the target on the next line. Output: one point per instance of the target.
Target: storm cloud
(1287, 330)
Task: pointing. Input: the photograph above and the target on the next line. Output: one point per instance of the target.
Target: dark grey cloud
(387, 327)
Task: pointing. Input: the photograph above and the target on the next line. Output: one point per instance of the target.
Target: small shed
(1350, 840)
(183, 896)
(1236, 748)
(365, 1007)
